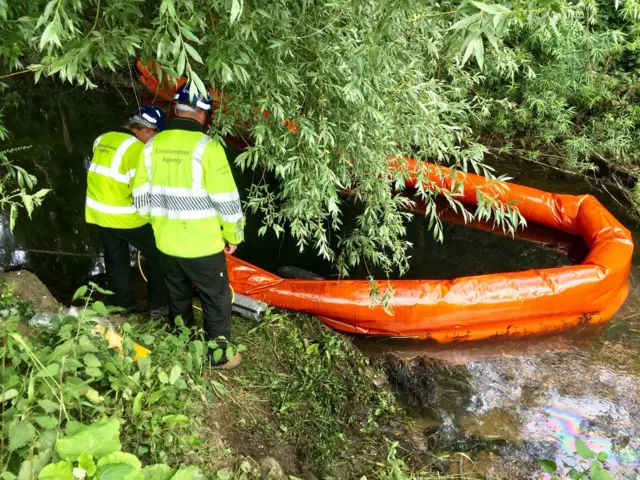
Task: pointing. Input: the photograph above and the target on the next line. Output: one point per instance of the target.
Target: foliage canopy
(365, 80)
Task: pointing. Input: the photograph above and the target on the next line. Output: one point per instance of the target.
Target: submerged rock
(426, 382)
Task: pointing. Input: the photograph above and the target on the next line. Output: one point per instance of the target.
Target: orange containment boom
(473, 308)
(478, 307)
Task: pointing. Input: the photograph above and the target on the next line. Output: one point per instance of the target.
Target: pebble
(271, 467)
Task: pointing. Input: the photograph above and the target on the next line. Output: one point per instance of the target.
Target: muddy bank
(27, 287)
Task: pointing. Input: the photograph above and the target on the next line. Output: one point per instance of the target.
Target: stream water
(522, 400)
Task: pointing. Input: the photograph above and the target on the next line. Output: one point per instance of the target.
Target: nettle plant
(61, 377)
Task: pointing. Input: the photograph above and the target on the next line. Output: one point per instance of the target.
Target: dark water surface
(528, 399)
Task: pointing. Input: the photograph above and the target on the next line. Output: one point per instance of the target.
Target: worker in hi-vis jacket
(109, 205)
(184, 184)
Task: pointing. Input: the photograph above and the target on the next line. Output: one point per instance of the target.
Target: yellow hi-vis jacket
(109, 181)
(183, 182)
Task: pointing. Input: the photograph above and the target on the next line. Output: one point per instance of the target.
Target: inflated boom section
(472, 308)
(477, 307)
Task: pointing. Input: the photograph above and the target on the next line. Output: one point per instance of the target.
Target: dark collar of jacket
(125, 131)
(189, 124)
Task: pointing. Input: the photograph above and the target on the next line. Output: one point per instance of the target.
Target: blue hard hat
(150, 116)
(197, 100)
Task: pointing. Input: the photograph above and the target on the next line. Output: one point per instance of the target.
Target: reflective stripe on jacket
(184, 184)
(109, 181)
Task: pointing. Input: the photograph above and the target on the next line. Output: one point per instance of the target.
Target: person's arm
(129, 163)
(223, 195)
(140, 184)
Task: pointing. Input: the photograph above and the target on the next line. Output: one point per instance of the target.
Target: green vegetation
(93, 451)
(593, 469)
(16, 185)
(304, 396)
(62, 377)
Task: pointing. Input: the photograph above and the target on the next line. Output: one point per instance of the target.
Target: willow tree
(363, 80)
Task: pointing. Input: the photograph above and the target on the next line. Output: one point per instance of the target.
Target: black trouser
(118, 263)
(209, 275)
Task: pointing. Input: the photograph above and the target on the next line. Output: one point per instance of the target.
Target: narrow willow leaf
(193, 53)
(478, 50)
(492, 9)
(182, 60)
(189, 35)
(489, 33)
(46, 14)
(236, 10)
(469, 50)
(465, 22)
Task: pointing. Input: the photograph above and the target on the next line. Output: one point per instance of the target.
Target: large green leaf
(119, 466)
(57, 471)
(116, 471)
(178, 419)
(597, 472)
(99, 439)
(8, 395)
(158, 472)
(90, 360)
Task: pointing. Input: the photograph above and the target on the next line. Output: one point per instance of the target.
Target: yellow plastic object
(106, 330)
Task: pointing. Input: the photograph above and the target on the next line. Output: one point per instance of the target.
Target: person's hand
(230, 248)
